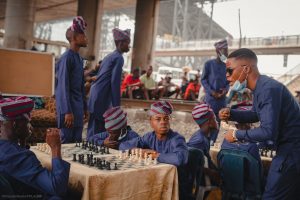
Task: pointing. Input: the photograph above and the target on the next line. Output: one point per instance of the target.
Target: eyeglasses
(230, 70)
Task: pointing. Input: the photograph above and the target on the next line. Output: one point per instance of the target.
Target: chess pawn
(155, 161)
(130, 156)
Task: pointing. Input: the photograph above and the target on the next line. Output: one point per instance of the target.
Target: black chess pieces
(108, 166)
(115, 168)
(96, 149)
(74, 157)
(100, 166)
(107, 150)
(76, 145)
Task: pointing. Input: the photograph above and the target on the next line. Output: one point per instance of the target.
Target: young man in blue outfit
(69, 85)
(206, 119)
(163, 143)
(105, 91)
(117, 130)
(21, 167)
(279, 116)
(214, 81)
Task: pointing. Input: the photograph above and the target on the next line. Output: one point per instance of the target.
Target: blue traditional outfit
(25, 173)
(172, 150)
(105, 91)
(115, 119)
(69, 90)
(213, 79)
(202, 113)
(279, 116)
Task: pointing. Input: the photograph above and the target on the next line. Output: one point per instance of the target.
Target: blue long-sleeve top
(105, 91)
(276, 109)
(22, 164)
(100, 137)
(69, 87)
(200, 141)
(213, 78)
(173, 150)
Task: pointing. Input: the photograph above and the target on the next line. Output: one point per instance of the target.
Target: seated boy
(163, 143)
(19, 165)
(206, 119)
(116, 129)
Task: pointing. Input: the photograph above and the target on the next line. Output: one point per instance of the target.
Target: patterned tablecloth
(148, 182)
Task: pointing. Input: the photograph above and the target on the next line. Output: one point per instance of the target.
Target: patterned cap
(115, 118)
(15, 108)
(79, 25)
(120, 35)
(161, 107)
(221, 44)
(201, 113)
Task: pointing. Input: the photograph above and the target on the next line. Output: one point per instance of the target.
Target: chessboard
(102, 158)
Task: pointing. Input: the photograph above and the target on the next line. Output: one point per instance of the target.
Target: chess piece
(155, 161)
(108, 166)
(74, 157)
(116, 168)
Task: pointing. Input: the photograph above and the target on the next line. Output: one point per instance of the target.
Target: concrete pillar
(146, 16)
(91, 11)
(19, 23)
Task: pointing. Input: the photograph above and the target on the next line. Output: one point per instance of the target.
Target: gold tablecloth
(152, 182)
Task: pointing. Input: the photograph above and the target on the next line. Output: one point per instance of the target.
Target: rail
(179, 105)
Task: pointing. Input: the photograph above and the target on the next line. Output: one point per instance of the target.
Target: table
(151, 182)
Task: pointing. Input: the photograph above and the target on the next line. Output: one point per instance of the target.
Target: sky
(262, 18)
(259, 18)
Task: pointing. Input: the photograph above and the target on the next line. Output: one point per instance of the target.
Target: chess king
(117, 130)
(18, 165)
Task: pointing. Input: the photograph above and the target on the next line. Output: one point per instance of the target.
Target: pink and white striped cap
(115, 118)
(201, 113)
(79, 25)
(161, 107)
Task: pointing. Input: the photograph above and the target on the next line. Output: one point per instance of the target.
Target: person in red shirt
(131, 86)
(192, 90)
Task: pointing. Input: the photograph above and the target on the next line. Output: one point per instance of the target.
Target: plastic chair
(241, 174)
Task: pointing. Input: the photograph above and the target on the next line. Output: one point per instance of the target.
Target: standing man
(69, 85)
(214, 82)
(279, 116)
(105, 91)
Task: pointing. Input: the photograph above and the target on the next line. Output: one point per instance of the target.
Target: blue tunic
(105, 91)
(70, 94)
(200, 141)
(214, 79)
(100, 137)
(173, 150)
(23, 165)
(279, 116)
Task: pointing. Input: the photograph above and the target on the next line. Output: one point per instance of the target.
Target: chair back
(241, 173)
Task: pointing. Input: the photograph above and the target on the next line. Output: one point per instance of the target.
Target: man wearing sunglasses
(279, 116)
(214, 82)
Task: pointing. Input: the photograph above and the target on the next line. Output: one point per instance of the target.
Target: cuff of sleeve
(233, 115)
(58, 161)
(240, 134)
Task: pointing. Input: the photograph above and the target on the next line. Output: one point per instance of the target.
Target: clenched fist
(224, 114)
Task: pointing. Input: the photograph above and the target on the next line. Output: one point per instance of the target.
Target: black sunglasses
(230, 70)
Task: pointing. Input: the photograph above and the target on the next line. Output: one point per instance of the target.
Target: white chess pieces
(155, 161)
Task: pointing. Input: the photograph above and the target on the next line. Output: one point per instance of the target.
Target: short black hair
(243, 53)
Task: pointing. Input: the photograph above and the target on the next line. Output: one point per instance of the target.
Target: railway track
(179, 105)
